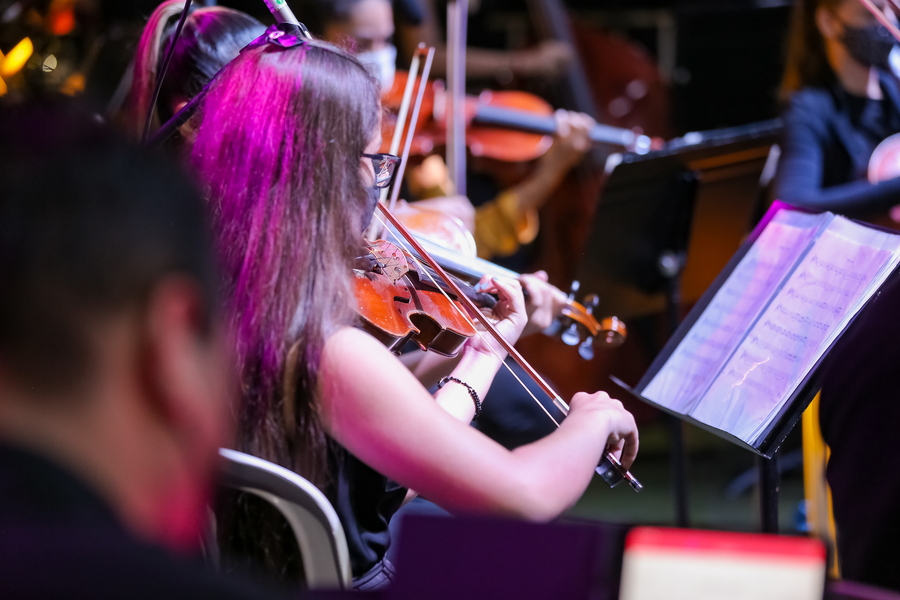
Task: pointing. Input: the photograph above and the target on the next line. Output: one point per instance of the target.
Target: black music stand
(767, 445)
(665, 226)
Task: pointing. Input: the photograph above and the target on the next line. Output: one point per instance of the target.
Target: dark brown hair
(807, 64)
(211, 37)
(89, 224)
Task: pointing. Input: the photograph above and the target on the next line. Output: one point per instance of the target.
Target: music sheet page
(847, 263)
(700, 355)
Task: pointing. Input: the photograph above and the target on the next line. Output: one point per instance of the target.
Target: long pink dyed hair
(278, 151)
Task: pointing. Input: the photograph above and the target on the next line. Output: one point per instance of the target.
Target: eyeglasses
(385, 166)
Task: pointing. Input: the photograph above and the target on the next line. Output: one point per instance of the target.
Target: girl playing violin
(284, 150)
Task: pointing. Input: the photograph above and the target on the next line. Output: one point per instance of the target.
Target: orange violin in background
(509, 126)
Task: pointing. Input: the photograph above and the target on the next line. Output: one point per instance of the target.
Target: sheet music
(701, 354)
(844, 267)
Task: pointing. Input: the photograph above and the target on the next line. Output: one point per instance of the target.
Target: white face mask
(382, 64)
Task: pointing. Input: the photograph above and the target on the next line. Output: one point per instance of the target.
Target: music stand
(773, 431)
(666, 225)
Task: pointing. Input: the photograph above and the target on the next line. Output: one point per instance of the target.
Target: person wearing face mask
(501, 220)
(842, 101)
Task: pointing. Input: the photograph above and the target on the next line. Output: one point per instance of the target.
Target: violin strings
(402, 243)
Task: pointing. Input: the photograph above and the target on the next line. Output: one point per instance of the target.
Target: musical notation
(773, 318)
(790, 334)
(700, 356)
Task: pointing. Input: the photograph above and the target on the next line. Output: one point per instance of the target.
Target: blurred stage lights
(16, 58)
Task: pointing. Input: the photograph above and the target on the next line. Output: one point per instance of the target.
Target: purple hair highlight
(278, 151)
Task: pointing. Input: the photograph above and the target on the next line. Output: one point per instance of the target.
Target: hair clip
(283, 35)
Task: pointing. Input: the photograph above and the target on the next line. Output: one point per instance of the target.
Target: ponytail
(146, 63)
(212, 36)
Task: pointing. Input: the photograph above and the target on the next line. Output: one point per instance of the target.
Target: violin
(396, 303)
(610, 469)
(575, 323)
(884, 164)
(509, 126)
(400, 299)
(437, 226)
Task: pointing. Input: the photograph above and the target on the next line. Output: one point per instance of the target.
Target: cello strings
(402, 243)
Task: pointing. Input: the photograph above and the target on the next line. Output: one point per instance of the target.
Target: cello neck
(552, 22)
(511, 118)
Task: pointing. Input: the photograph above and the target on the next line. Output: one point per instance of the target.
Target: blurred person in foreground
(114, 371)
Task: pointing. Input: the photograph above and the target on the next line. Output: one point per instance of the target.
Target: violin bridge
(391, 259)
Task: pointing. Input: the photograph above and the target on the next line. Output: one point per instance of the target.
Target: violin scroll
(580, 327)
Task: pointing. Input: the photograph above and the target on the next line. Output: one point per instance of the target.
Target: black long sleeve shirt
(829, 136)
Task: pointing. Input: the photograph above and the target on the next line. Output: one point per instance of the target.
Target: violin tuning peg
(586, 348)
(570, 336)
(591, 301)
(576, 285)
(553, 328)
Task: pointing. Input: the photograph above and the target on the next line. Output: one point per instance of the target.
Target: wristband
(472, 391)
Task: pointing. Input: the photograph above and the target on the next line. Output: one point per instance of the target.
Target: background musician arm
(803, 165)
(546, 60)
(511, 219)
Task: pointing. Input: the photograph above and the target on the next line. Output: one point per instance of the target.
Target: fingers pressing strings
(403, 245)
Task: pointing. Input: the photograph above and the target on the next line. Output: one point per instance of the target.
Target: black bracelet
(472, 391)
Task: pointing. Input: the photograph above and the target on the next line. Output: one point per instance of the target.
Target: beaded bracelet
(472, 391)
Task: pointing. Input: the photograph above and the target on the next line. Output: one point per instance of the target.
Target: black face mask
(870, 45)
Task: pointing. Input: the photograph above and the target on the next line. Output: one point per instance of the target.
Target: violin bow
(400, 126)
(610, 469)
(411, 131)
(882, 18)
(457, 21)
(404, 107)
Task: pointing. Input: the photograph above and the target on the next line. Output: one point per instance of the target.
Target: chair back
(320, 537)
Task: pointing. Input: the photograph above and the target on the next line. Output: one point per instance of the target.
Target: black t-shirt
(365, 501)
(60, 540)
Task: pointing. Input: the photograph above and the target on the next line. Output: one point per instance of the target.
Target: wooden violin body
(396, 312)
(884, 164)
(398, 301)
(576, 323)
